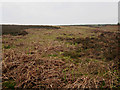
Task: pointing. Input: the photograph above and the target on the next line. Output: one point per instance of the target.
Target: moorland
(60, 56)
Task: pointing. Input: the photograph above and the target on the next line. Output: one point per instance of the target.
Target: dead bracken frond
(61, 57)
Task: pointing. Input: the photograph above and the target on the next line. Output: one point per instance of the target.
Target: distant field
(60, 56)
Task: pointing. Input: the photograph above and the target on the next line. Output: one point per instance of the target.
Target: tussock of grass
(9, 84)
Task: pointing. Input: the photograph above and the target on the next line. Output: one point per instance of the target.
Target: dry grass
(63, 57)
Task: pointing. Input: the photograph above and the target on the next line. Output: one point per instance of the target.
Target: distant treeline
(19, 29)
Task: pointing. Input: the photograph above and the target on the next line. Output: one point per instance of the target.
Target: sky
(59, 13)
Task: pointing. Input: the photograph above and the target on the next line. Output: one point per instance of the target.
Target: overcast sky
(60, 12)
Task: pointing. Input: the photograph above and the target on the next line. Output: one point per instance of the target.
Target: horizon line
(62, 24)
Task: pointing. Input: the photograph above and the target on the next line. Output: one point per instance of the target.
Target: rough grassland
(60, 57)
